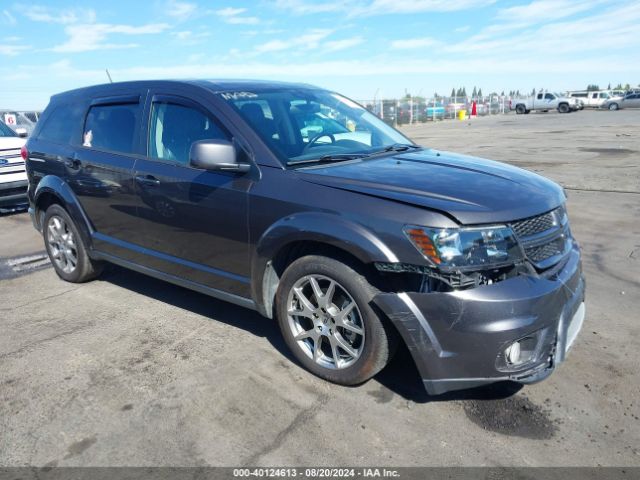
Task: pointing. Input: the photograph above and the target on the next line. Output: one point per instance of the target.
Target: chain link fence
(413, 110)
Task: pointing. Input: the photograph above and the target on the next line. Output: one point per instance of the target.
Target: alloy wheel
(62, 245)
(325, 321)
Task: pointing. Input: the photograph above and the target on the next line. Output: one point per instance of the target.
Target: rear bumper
(13, 193)
(458, 339)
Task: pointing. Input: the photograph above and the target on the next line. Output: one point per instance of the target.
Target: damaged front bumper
(458, 339)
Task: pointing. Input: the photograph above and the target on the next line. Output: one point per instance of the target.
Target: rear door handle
(73, 163)
(149, 180)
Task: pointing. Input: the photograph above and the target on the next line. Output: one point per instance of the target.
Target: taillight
(24, 153)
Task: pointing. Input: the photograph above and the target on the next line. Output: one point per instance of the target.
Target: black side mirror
(216, 155)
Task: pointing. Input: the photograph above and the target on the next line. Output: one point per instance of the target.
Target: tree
(609, 86)
(502, 94)
(592, 88)
(533, 92)
(479, 93)
(619, 86)
(459, 93)
(453, 92)
(464, 91)
(627, 87)
(475, 92)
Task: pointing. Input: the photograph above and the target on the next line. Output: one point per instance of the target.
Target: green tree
(627, 87)
(474, 94)
(609, 86)
(453, 92)
(592, 88)
(479, 93)
(464, 91)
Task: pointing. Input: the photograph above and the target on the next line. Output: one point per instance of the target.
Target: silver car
(630, 100)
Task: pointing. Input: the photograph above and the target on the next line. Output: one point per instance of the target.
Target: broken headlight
(473, 248)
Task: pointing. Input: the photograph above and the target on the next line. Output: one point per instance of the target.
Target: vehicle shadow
(201, 304)
(400, 376)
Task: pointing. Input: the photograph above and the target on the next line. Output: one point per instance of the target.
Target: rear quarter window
(63, 124)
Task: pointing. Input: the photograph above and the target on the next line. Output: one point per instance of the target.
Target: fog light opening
(521, 351)
(513, 353)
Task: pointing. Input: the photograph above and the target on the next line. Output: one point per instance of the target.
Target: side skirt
(212, 292)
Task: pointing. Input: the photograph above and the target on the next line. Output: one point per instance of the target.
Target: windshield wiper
(336, 157)
(400, 147)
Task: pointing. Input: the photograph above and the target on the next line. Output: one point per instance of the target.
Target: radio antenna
(108, 75)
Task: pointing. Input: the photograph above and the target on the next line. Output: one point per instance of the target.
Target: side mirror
(216, 155)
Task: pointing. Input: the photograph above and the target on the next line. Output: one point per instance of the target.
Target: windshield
(6, 131)
(303, 125)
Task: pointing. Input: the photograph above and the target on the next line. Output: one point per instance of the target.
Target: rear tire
(66, 248)
(613, 107)
(563, 108)
(324, 313)
(520, 109)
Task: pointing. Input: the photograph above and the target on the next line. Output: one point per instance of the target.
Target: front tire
(65, 247)
(324, 313)
(613, 107)
(520, 109)
(563, 108)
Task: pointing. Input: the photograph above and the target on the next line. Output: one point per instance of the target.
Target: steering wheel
(315, 139)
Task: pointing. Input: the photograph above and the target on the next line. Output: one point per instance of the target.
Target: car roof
(216, 86)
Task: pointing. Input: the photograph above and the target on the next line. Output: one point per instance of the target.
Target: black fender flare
(56, 186)
(319, 227)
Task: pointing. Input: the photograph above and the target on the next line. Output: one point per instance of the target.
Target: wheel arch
(54, 190)
(311, 233)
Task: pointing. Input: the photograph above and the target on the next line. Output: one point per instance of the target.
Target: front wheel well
(291, 252)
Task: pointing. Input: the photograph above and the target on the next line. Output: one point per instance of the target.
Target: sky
(364, 49)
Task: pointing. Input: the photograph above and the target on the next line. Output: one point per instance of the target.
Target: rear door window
(112, 127)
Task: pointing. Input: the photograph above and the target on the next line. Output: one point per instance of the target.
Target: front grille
(548, 250)
(534, 225)
(545, 238)
(7, 192)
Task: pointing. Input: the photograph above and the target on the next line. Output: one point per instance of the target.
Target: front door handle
(149, 180)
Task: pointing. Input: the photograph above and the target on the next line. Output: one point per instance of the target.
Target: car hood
(472, 190)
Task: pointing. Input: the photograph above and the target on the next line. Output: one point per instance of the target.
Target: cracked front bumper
(458, 339)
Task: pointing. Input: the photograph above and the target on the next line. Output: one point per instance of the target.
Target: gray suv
(299, 203)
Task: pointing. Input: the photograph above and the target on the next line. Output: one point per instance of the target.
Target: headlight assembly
(466, 249)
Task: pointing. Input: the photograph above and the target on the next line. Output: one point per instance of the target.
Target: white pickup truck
(545, 101)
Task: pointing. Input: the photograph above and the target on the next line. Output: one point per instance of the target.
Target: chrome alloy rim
(62, 244)
(325, 321)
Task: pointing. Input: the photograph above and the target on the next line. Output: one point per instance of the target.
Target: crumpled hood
(473, 190)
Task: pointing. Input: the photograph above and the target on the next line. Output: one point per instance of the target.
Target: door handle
(149, 180)
(73, 163)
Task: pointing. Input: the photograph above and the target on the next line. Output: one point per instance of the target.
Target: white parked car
(13, 176)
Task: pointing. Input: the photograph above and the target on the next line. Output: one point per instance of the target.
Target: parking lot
(127, 370)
